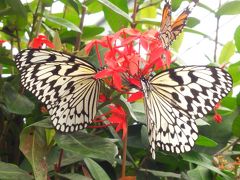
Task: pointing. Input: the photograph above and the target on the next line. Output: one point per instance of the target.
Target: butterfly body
(64, 83)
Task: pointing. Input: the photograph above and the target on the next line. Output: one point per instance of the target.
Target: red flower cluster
(116, 116)
(129, 56)
(39, 41)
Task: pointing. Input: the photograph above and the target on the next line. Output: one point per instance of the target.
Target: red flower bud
(217, 118)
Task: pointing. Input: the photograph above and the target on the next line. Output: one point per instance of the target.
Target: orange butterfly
(168, 30)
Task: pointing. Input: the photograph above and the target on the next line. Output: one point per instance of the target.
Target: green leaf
(115, 19)
(191, 22)
(229, 8)
(17, 7)
(236, 126)
(72, 3)
(199, 173)
(96, 171)
(57, 42)
(204, 141)
(88, 145)
(15, 102)
(47, 3)
(33, 145)
(6, 61)
(91, 31)
(176, 4)
(159, 173)
(18, 17)
(148, 12)
(73, 176)
(62, 22)
(177, 43)
(234, 70)
(202, 160)
(119, 8)
(238, 99)
(68, 158)
(227, 52)
(48, 29)
(134, 136)
(93, 7)
(13, 172)
(237, 38)
(224, 130)
(46, 123)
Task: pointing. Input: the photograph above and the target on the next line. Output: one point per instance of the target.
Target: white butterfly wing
(176, 97)
(64, 83)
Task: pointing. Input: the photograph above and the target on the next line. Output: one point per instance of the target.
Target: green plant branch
(227, 147)
(60, 160)
(18, 40)
(216, 37)
(79, 34)
(124, 154)
(64, 11)
(39, 21)
(135, 10)
(4, 132)
(35, 16)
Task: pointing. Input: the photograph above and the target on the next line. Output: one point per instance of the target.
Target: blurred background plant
(30, 147)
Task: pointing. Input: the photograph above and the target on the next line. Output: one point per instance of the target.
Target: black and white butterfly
(170, 30)
(175, 98)
(64, 83)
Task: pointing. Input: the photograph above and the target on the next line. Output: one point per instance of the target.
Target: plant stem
(35, 16)
(39, 22)
(227, 147)
(79, 34)
(135, 10)
(18, 40)
(216, 37)
(60, 160)
(3, 133)
(124, 155)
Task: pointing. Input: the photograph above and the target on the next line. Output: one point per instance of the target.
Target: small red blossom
(39, 41)
(2, 41)
(217, 118)
(135, 96)
(102, 98)
(217, 106)
(118, 116)
(115, 116)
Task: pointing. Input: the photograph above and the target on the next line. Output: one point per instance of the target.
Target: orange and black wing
(169, 31)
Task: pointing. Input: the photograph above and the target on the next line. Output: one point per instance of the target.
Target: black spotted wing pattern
(175, 98)
(64, 83)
